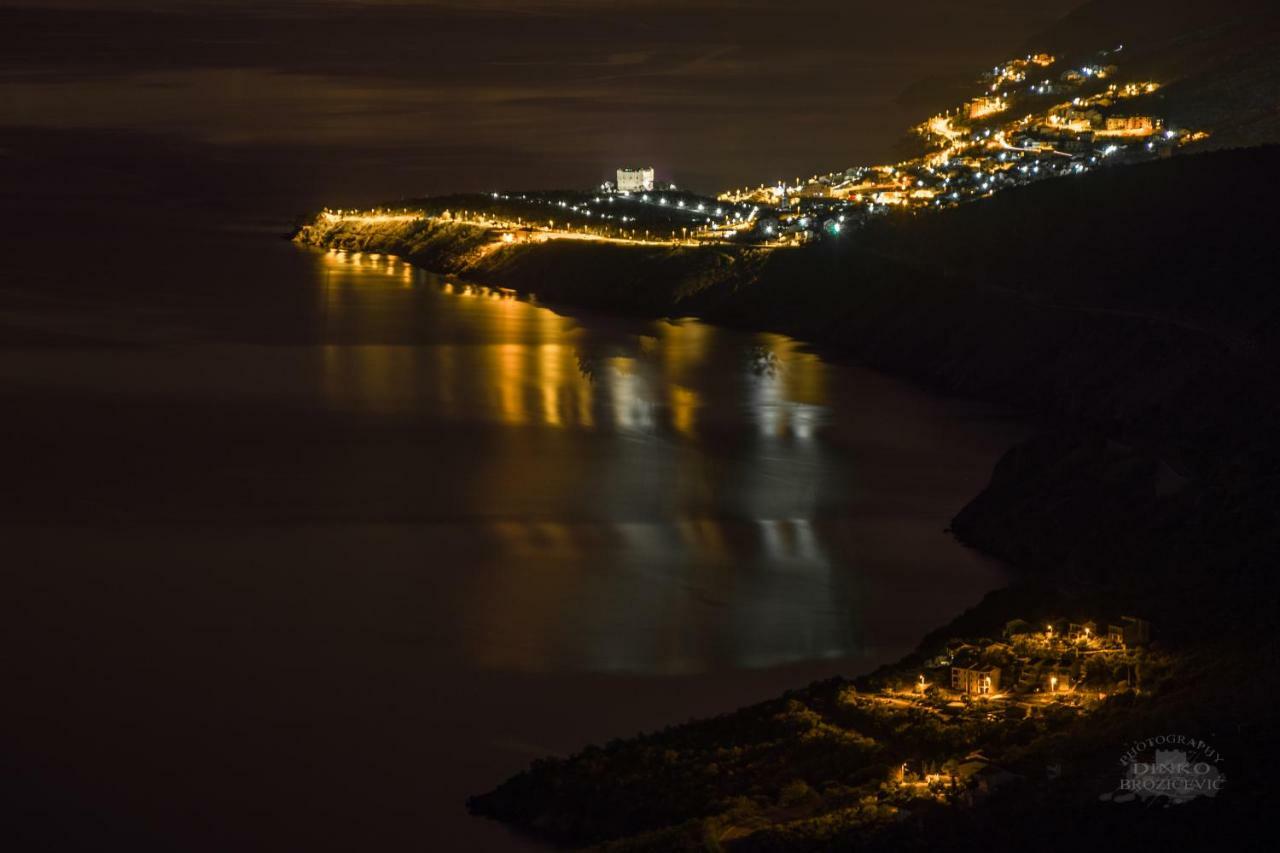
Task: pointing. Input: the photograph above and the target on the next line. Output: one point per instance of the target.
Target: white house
(635, 180)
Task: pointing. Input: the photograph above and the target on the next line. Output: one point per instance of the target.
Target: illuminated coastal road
(528, 233)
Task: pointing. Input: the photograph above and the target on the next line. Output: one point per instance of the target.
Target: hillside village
(1066, 660)
(1060, 667)
(948, 727)
(1035, 118)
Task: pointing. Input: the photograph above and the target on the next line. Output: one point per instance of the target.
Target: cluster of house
(1048, 661)
(1017, 131)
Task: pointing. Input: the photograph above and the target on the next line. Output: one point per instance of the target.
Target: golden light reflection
(685, 345)
(550, 379)
(509, 370)
(684, 407)
(624, 502)
(528, 367)
(585, 418)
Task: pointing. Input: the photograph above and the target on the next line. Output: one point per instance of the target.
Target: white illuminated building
(635, 180)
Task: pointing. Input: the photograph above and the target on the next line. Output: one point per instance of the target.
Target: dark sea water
(303, 548)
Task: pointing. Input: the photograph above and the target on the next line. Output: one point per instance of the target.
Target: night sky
(285, 104)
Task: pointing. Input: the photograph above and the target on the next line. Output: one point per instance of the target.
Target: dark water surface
(303, 548)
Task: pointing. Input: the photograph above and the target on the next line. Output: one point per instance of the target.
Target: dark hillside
(1171, 37)
(1124, 240)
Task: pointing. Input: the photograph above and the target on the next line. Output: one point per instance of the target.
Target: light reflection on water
(577, 493)
(661, 497)
(543, 370)
(673, 598)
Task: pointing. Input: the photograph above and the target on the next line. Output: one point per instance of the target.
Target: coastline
(1163, 469)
